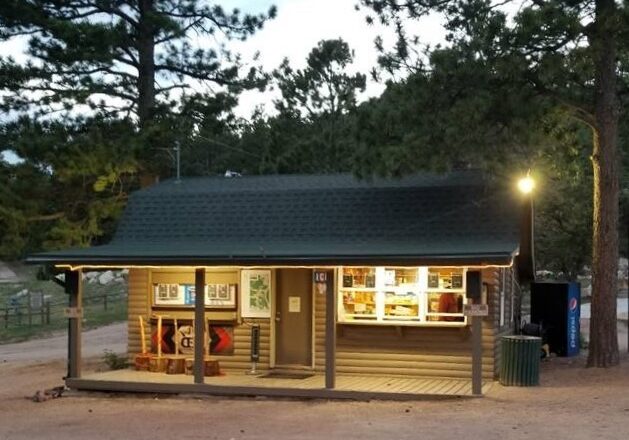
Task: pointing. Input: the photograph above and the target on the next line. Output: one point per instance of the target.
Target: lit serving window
(401, 295)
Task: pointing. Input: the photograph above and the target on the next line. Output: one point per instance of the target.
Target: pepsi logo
(573, 304)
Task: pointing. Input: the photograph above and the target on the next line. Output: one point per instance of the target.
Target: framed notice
(168, 295)
(256, 293)
(221, 296)
(433, 280)
(457, 280)
(217, 296)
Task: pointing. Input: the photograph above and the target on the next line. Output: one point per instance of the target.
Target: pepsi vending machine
(557, 308)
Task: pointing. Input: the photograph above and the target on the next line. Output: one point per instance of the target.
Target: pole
(330, 328)
(178, 159)
(477, 353)
(199, 325)
(627, 220)
(29, 309)
(73, 282)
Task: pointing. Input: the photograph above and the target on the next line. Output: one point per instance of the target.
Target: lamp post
(526, 185)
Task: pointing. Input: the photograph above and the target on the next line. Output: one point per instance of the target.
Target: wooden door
(293, 318)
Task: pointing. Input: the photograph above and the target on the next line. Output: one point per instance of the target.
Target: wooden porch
(238, 384)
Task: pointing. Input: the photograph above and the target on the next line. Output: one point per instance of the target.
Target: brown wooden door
(293, 318)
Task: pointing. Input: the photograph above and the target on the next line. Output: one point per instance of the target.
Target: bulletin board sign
(169, 295)
(256, 293)
(221, 296)
(217, 296)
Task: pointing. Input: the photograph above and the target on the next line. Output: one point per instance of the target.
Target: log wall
(140, 294)
(361, 349)
(411, 351)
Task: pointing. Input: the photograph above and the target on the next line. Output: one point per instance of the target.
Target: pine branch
(46, 217)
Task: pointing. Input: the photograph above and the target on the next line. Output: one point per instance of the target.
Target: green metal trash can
(519, 360)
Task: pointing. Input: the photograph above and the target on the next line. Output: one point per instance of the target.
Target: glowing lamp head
(526, 185)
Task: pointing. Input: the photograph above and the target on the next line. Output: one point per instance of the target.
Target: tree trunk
(603, 349)
(146, 58)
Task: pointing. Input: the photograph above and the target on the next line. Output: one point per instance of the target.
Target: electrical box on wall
(473, 284)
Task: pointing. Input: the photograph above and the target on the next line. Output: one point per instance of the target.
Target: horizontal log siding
(140, 281)
(512, 290)
(369, 350)
(139, 305)
(408, 351)
(240, 361)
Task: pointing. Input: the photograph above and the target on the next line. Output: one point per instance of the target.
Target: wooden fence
(36, 309)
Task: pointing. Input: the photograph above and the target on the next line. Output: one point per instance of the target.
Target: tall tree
(134, 50)
(142, 67)
(570, 56)
(72, 186)
(324, 86)
(314, 109)
(132, 57)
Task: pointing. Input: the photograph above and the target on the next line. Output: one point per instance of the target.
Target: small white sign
(360, 307)
(475, 309)
(73, 312)
(389, 278)
(294, 304)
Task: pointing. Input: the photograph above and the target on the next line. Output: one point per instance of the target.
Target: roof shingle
(304, 218)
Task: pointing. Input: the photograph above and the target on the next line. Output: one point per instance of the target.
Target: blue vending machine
(557, 308)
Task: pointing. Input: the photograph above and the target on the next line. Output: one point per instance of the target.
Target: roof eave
(477, 259)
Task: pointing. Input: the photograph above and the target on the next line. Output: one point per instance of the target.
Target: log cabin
(313, 285)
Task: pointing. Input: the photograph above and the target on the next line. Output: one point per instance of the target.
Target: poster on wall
(217, 296)
(221, 340)
(168, 295)
(189, 294)
(221, 296)
(256, 294)
(323, 279)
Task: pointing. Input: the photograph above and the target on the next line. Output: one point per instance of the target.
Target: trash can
(519, 360)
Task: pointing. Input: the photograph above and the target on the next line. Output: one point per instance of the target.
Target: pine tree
(137, 51)
(568, 56)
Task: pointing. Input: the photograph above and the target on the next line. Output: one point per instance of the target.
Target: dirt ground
(572, 402)
(94, 342)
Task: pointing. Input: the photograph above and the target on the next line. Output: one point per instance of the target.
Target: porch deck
(239, 384)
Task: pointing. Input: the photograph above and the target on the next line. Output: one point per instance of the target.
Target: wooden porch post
(477, 353)
(330, 332)
(199, 325)
(74, 288)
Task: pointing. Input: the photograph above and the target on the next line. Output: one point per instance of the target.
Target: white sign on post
(475, 309)
(73, 312)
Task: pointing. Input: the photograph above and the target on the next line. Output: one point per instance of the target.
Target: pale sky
(300, 24)
(297, 28)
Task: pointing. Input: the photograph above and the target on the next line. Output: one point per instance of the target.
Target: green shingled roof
(311, 219)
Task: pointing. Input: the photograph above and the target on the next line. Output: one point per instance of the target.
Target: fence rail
(39, 312)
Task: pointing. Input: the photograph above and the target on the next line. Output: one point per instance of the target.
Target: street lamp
(526, 184)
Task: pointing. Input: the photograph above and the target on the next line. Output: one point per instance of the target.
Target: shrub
(115, 361)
